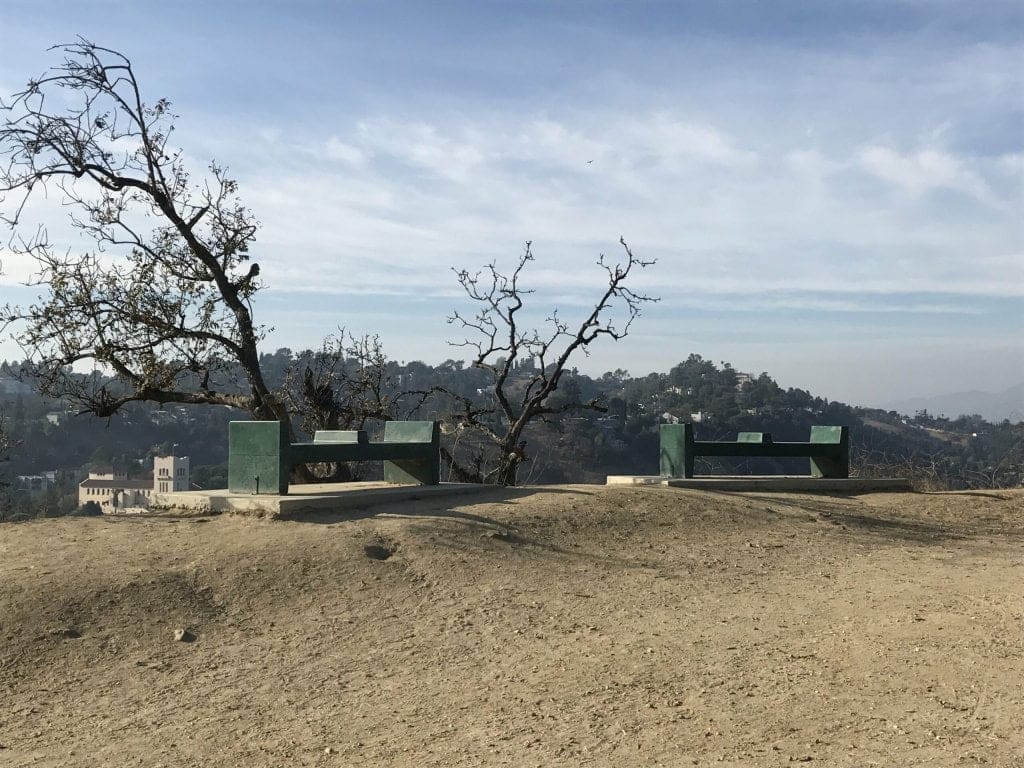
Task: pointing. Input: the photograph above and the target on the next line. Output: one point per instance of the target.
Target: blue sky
(833, 190)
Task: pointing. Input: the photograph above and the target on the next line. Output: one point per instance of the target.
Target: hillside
(579, 446)
(991, 406)
(535, 627)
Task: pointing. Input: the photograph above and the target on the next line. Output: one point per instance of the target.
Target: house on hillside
(118, 495)
(37, 483)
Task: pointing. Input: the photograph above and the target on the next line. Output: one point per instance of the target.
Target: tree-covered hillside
(579, 446)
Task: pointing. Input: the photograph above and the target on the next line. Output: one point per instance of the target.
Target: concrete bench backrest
(423, 470)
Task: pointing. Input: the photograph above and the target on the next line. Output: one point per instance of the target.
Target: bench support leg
(425, 471)
(258, 457)
(835, 463)
(677, 450)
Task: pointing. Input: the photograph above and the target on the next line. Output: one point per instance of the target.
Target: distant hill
(992, 406)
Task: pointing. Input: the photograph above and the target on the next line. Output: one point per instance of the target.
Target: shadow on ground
(839, 513)
(431, 508)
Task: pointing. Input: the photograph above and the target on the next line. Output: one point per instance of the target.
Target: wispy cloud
(392, 205)
(924, 170)
(335, 149)
(720, 214)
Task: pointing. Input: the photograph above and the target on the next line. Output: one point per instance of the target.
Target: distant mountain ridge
(992, 406)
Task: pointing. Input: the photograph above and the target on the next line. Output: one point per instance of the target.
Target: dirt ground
(538, 627)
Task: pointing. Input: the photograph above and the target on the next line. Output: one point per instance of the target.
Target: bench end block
(258, 457)
(833, 462)
(677, 454)
(425, 471)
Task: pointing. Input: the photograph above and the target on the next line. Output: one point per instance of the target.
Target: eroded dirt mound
(560, 626)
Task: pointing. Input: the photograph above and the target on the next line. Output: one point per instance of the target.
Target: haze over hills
(992, 406)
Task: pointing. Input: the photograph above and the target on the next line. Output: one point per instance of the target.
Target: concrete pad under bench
(634, 480)
(780, 483)
(312, 497)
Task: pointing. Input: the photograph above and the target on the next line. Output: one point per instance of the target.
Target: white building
(743, 378)
(170, 473)
(116, 494)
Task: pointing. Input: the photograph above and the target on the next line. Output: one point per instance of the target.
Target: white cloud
(1012, 164)
(924, 170)
(420, 144)
(550, 142)
(678, 142)
(335, 149)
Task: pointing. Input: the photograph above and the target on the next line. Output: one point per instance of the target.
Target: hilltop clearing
(566, 625)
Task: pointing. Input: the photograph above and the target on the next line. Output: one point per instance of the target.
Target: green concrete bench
(260, 457)
(828, 450)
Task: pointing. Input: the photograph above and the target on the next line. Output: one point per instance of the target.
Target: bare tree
(170, 319)
(343, 385)
(926, 470)
(526, 364)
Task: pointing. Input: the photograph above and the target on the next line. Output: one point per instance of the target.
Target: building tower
(170, 473)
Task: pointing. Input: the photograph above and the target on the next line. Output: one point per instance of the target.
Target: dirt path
(560, 626)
